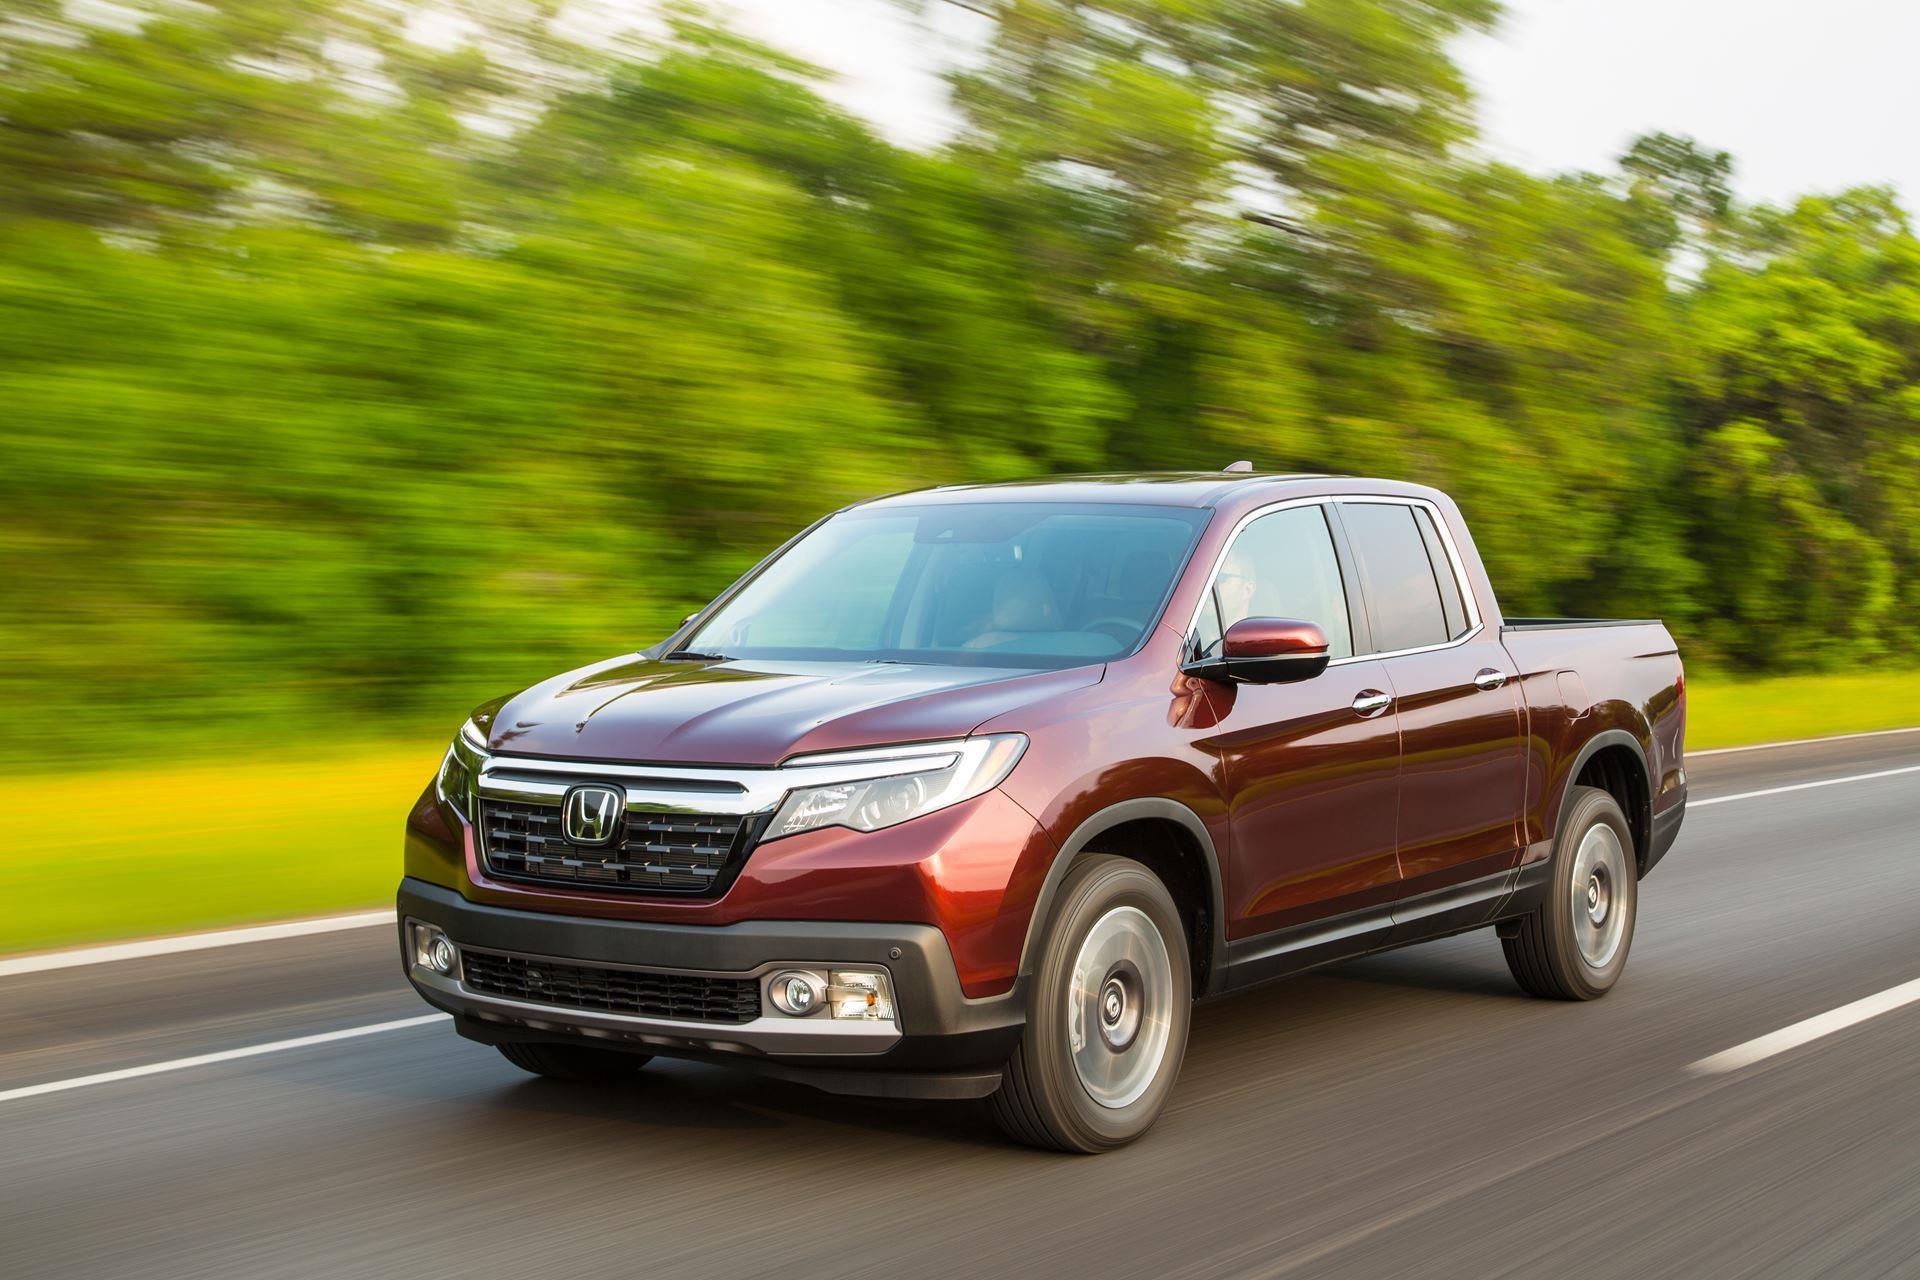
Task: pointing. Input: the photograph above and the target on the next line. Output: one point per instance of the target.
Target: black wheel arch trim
(1643, 824)
(1115, 815)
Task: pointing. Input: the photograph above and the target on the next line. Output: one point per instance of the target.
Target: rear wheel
(1107, 1016)
(573, 1061)
(1574, 945)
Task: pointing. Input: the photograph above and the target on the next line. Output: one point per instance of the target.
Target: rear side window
(1450, 600)
(1281, 566)
(1403, 594)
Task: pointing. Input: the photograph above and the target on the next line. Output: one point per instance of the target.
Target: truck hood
(743, 712)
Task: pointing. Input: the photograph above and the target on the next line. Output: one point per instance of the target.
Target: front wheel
(1107, 1016)
(1574, 945)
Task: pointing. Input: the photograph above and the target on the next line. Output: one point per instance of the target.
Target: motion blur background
(363, 359)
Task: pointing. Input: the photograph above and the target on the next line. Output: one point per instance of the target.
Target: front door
(1311, 767)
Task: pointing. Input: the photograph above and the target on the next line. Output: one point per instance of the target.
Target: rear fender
(1642, 821)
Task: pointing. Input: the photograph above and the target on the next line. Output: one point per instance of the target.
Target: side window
(1450, 600)
(1206, 629)
(1403, 597)
(1281, 566)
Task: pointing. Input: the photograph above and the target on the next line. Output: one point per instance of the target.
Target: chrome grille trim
(654, 852)
(692, 789)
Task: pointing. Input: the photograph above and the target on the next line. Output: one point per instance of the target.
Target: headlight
(888, 785)
(459, 767)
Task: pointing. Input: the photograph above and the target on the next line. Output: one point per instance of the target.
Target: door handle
(1369, 701)
(1489, 678)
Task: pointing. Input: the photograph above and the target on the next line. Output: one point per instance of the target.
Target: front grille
(629, 991)
(654, 852)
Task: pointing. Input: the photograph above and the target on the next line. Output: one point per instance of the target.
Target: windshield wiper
(692, 655)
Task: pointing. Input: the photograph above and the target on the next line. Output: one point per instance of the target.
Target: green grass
(197, 846)
(1731, 712)
(222, 842)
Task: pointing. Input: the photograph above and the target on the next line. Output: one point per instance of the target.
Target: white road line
(145, 947)
(1731, 1060)
(189, 942)
(1799, 742)
(225, 1055)
(1801, 786)
(1745, 1055)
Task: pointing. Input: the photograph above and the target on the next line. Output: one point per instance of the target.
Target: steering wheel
(1123, 630)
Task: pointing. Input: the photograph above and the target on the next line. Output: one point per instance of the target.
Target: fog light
(796, 993)
(860, 993)
(433, 950)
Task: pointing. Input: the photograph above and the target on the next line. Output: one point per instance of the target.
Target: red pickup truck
(972, 792)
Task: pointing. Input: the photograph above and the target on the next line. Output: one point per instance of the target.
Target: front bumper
(940, 1045)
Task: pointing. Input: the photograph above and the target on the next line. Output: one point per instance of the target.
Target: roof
(1150, 488)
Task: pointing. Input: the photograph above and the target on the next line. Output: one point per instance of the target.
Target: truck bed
(1539, 624)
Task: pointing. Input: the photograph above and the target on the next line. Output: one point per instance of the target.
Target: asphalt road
(1405, 1114)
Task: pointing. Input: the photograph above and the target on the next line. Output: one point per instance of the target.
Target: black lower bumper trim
(1666, 829)
(865, 1082)
(949, 1046)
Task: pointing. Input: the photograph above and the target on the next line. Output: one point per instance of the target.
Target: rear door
(1462, 768)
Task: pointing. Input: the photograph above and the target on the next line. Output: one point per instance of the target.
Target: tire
(1574, 945)
(1129, 1008)
(579, 1062)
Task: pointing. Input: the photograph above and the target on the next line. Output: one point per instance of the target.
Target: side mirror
(1266, 651)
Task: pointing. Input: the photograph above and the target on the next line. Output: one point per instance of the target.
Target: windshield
(973, 584)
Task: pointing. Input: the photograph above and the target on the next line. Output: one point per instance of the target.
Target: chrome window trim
(1467, 596)
(1402, 653)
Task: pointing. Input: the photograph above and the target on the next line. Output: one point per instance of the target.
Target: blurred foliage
(361, 359)
(260, 858)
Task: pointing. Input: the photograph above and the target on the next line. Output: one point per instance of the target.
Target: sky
(1808, 95)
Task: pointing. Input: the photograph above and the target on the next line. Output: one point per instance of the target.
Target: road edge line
(1799, 742)
(207, 1059)
(1807, 1030)
(1802, 786)
(140, 949)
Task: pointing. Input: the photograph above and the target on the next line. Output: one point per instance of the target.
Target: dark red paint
(1313, 808)
(1274, 638)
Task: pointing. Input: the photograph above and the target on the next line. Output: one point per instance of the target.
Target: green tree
(359, 360)
(1680, 193)
(1810, 334)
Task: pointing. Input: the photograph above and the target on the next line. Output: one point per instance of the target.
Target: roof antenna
(1238, 468)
